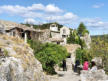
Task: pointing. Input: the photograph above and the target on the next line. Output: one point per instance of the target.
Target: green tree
(73, 37)
(82, 29)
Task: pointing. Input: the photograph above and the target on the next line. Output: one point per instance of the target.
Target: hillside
(102, 37)
(17, 61)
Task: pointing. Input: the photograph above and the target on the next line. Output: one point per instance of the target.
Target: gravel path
(66, 76)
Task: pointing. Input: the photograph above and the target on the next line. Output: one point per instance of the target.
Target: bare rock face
(17, 61)
(98, 75)
(87, 40)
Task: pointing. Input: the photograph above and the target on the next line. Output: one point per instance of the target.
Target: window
(63, 36)
(64, 31)
(58, 43)
(53, 25)
(14, 33)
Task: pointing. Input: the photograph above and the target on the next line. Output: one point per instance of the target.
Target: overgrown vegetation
(48, 54)
(99, 48)
(74, 38)
(82, 54)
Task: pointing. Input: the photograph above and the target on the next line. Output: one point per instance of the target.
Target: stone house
(59, 36)
(64, 32)
(55, 36)
(20, 31)
(54, 27)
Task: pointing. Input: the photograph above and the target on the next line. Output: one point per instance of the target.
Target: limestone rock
(98, 75)
(87, 40)
(17, 61)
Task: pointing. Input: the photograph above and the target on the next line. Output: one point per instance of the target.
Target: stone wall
(55, 34)
(71, 48)
(64, 31)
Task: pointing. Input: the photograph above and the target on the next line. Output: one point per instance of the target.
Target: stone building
(24, 32)
(59, 36)
(64, 32)
(54, 27)
(19, 30)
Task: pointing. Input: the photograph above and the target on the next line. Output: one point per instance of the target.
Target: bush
(35, 45)
(49, 55)
(82, 54)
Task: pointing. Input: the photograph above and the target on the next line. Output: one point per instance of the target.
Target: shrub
(49, 55)
(82, 54)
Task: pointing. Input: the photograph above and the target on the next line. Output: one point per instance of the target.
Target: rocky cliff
(17, 62)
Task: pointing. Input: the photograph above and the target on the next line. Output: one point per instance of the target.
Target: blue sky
(93, 13)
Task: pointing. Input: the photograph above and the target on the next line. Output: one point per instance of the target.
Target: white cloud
(68, 17)
(98, 5)
(32, 15)
(30, 21)
(49, 12)
(13, 9)
(36, 7)
(51, 8)
(17, 9)
(95, 23)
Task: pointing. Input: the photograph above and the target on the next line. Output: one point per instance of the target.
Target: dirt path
(66, 76)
